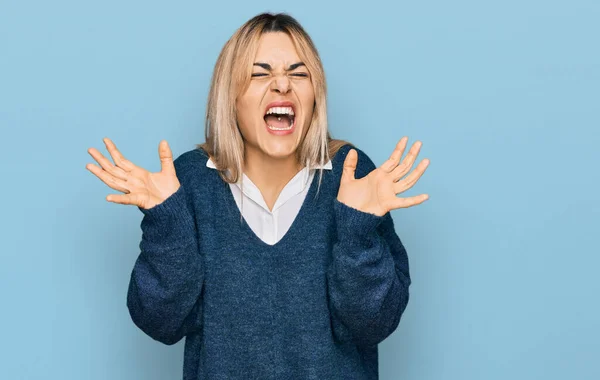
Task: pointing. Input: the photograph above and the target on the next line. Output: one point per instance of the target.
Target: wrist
(364, 207)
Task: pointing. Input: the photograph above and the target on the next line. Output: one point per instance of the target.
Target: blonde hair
(231, 77)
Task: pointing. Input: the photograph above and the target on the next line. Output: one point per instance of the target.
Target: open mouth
(280, 118)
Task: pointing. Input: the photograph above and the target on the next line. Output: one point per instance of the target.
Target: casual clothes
(314, 305)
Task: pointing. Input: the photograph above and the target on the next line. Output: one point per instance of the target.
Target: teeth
(281, 111)
(280, 129)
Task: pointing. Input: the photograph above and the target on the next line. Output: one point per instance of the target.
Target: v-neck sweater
(315, 305)
(271, 225)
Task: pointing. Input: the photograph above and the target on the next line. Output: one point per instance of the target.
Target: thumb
(350, 165)
(166, 158)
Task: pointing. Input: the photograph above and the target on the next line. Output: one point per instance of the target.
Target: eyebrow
(266, 66)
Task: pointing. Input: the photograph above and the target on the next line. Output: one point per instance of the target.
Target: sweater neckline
(234, 213)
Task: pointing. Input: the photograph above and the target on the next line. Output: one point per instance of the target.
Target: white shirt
(271, 226)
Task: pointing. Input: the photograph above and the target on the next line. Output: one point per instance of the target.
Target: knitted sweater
(313, 306)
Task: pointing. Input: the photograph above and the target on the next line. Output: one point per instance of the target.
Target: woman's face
(276, 110)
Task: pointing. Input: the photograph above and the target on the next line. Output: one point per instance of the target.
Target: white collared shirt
(271, 226)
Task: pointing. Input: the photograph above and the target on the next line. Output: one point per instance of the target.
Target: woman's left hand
(376, 192)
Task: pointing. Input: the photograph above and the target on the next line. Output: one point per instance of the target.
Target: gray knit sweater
(313, 306)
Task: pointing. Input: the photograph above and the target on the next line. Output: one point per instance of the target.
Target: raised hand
(140, 187)
(376, 192)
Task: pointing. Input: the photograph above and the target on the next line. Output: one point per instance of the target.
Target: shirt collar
(327, 166)
(295, 186)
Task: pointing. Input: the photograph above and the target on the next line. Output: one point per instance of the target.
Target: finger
(350, 165)
(413, 152)
(124, 199)
(166, 157)
(401, 170)
(412, 178)
(117, 157)
(394, 159)
(107, 165)
(409, 201)
(107, 178)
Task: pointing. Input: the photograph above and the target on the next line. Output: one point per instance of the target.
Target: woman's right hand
(140, 187)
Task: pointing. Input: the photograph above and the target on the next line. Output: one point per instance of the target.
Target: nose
(281, 84)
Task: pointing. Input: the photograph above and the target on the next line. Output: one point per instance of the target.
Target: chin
(279, 146)
(279, 150)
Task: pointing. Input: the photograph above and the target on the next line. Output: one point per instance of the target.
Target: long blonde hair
(231, 77)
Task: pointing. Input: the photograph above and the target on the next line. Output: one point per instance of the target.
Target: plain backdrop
(504, 96)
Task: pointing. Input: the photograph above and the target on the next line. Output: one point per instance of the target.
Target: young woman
(268, 270)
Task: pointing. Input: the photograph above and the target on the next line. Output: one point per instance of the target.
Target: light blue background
(504, 95)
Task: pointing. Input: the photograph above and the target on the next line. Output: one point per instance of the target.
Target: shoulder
(196, 156)
(191, 163)
(363, 167)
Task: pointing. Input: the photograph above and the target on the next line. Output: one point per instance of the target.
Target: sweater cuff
(169, 222)
(354, 225)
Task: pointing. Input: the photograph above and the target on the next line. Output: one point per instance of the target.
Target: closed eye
(303, 75)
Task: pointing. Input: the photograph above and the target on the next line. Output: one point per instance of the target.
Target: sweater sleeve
(164, 296)
(368, 278)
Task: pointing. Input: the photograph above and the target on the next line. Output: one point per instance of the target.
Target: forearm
(368, 277)
(166, 282)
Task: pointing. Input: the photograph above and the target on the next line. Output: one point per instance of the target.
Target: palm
(140, 187)
(376, 193)
(160, 185)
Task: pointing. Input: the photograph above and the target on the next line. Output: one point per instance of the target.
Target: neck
(270, 174)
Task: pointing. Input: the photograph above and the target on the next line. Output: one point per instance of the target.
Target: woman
(268, 271)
